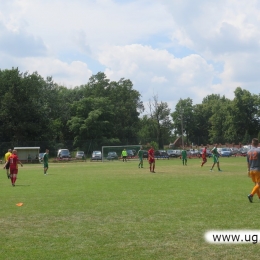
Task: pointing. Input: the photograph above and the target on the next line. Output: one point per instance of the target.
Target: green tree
(183, 118)
(116, 104)
(160, 119)
(245, 114)
(22, 106)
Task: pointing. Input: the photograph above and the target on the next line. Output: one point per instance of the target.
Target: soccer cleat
(220, 170)
(13, 184)
(250, 197)
(210, 170)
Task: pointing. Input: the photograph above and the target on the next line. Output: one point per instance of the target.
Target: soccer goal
(111, 153)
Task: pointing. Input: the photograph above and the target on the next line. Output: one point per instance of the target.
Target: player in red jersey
(204, 156)
(13, 161)
(151, 159)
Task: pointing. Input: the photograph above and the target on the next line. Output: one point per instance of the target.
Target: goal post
(114, 152)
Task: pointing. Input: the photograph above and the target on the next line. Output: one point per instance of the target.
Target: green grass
(114, 210)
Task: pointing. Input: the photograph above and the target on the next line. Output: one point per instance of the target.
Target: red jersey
(204, 153)
(151, 153)
(13, 159)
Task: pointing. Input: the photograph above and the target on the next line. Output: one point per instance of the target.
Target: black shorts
(7, 166)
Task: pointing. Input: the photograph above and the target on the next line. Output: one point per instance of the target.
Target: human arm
(20, 163)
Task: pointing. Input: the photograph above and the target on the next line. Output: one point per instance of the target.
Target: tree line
(34, 109)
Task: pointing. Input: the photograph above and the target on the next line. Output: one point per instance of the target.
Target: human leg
(255, 176)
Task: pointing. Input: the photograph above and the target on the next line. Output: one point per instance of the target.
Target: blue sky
(175, 49)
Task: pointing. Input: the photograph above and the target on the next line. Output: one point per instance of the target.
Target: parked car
(161, 154)
(130, 153)
(145, 154)
(224, 152)
(112, 156)
(40, 157)
(177, 153)
(134, 152)
(63, 154)
(242, 151)
(208, 152)
(234, 151)
(193, 152)
(96, 156)
(80, 155)
(171, 153)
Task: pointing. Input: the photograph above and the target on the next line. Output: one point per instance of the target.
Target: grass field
(114, 210)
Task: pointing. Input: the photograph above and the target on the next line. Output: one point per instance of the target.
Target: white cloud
(69, 75)
(173, 48)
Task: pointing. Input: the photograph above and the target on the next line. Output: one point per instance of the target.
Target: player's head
(47, 151)
(9, 150)
(255, 142)
(14, 152)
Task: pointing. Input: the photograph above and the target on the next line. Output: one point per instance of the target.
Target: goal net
(114, 152)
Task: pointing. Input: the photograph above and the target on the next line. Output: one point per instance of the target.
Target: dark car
(80, 155)
(112, 156)
(64, 154)
(161, 154)
(96, 156)
(145, 154)
(130, 153)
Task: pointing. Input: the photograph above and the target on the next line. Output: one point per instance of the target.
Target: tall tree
(160, 115)
(183, 119)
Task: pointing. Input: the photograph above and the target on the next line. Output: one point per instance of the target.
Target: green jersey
(184, 154)
(124, 153)
(45, 158)
(214, 151)
(140, 153)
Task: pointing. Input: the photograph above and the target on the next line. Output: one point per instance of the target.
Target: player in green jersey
(140, 154)
(215, 155)
(46, 161)
(184, 157)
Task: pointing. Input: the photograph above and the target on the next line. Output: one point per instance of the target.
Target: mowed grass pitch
(114, 210)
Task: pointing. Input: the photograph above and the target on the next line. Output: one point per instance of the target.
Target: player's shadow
(22, 185)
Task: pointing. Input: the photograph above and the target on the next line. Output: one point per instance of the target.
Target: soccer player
(215, 156)
(124, 155)
(253, 167)
(204, 156)
(13, 160)
(7, 155)
(45, 159)
(151, 159)
(184, 157)
(140, 154)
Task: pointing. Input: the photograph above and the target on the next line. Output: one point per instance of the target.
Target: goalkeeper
(140, 154)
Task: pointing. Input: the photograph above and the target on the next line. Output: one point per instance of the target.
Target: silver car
(96, 156)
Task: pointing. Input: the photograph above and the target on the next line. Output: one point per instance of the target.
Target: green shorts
(215, 159)
(45, 165)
